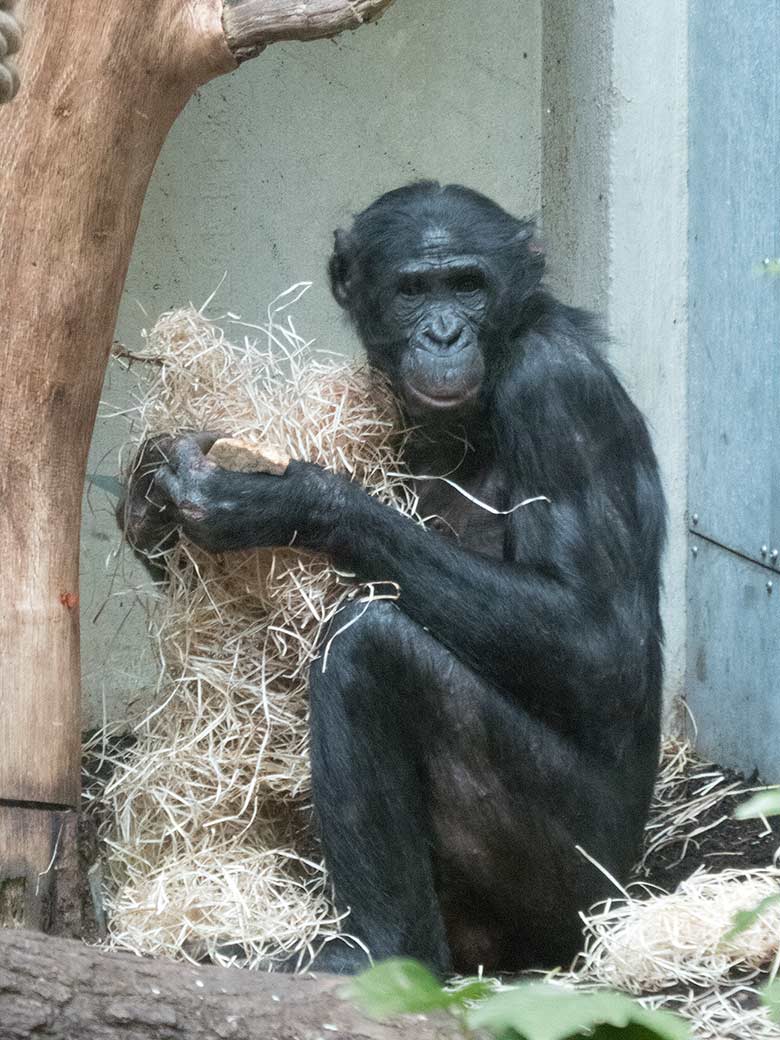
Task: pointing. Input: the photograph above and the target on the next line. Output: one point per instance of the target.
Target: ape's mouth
(441, 400)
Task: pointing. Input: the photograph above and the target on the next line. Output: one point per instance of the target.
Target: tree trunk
(60, 989)
(102, 82)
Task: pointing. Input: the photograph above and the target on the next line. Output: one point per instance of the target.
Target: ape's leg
(450, 817)
(369, 789)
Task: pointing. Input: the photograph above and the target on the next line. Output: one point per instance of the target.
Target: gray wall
(258, 171)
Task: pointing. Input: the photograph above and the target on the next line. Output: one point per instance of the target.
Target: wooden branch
(62, 989)
(250, 25)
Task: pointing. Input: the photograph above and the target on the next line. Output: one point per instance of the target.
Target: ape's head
(435, 279)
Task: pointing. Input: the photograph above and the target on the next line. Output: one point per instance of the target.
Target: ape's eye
(468, 283)
(411, 285)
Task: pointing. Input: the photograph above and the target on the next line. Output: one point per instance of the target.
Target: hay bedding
(663, 939)
(207, 831)
(209, 834)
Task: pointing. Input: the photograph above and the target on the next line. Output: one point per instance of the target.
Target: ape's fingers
(167, 483)
(206, 439)
(151, 454)
(190, 451)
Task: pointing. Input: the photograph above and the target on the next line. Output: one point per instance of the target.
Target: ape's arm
(548, 625)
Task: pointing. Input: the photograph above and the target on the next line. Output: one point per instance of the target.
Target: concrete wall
(648, 285)
(614, 189)
(576, 127)
(258, 171)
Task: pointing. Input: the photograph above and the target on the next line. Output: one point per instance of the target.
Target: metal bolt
(695, 550)
(773, 555)
(767, 261)
(695, 519)
(764, 550)
(769, 587)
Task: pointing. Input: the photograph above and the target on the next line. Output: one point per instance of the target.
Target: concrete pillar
(614, 204)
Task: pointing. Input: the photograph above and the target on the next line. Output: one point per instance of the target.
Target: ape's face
(421, 274)
(439, 301)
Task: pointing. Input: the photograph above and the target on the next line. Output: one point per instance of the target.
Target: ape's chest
(462, 514)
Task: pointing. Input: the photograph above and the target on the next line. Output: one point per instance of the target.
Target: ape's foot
(337, 957)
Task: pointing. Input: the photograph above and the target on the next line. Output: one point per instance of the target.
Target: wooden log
(40, 878)
(102, 82)
(62, 989)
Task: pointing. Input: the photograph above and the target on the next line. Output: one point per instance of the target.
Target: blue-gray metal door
(734, 382)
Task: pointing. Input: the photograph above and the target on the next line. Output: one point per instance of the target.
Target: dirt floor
(716, 841)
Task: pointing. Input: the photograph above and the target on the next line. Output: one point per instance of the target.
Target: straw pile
(650, 940)
(209, 833)
(673, 950)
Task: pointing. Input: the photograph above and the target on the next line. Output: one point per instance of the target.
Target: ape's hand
(145, 511)
(10, 42)
(176, 487)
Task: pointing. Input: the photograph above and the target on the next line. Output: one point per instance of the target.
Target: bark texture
(102, 82)
(10, 42)
(250, 25)
(59, 989)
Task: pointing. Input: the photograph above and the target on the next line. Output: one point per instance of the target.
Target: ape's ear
(531, 247)
(525, 231)
(340, 268)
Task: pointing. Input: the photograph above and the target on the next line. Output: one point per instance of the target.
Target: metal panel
(734, 660)
(734, 359)
(734, 381)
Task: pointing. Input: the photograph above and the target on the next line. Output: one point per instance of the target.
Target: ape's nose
(444, 331)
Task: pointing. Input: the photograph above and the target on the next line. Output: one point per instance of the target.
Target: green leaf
(765, 803)
(744, 918)
(539, 1011)
(396, 987)
(474, 989)
(771, 997)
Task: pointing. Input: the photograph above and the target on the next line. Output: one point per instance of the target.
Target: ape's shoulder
(564, 336)
(562, 408)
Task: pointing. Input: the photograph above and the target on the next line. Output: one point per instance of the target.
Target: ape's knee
(359, 634)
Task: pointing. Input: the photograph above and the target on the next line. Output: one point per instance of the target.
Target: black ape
(466, 740)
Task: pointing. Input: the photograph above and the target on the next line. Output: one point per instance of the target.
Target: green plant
(771, 997)
(527, 1011)
(765, 803)
(743, 919)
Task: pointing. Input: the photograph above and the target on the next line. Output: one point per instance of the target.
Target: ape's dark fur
(466, 740)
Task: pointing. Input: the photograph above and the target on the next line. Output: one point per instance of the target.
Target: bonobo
(471, 741)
